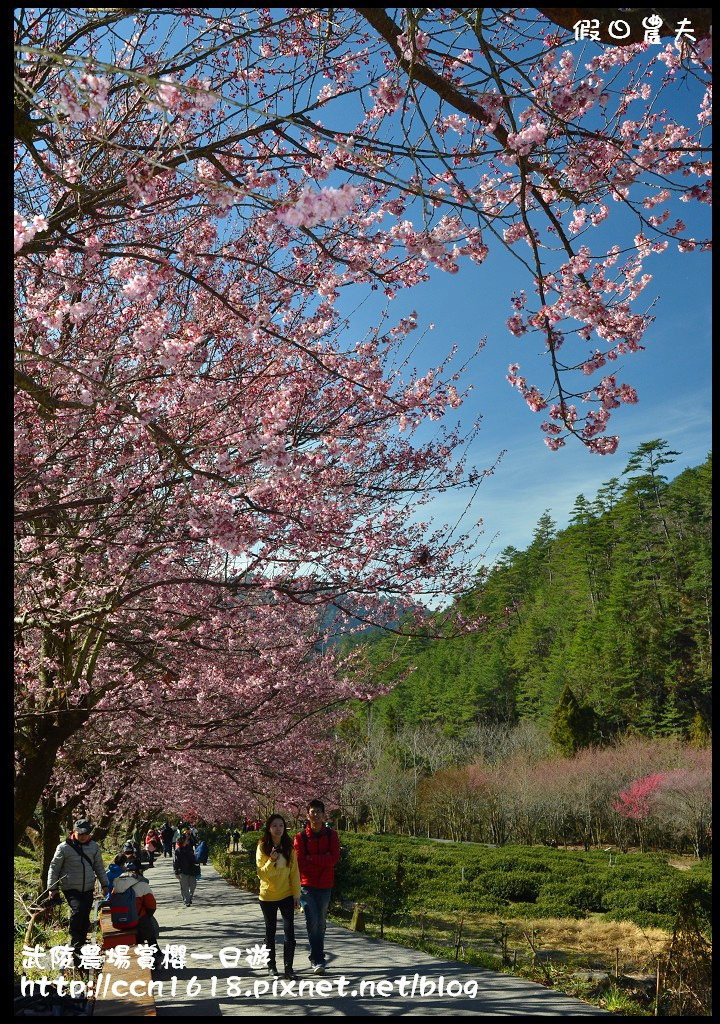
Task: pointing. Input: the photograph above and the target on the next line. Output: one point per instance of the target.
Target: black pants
(145, 930)
(80, 906)
(287, 909)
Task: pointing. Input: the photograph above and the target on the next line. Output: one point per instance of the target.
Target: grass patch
(49, 932)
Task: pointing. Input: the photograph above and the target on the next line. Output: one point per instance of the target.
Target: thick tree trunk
(37, 748)
(54, 817)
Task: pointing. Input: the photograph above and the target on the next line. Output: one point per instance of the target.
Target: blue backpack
(123, 909)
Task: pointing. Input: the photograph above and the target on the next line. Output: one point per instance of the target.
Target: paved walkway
(365, 976)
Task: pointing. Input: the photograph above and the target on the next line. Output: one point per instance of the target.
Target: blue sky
(672, 377)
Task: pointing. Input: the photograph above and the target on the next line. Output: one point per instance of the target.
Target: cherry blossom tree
(138, 583)
(241, 723)
(204, 444)
(461, 130)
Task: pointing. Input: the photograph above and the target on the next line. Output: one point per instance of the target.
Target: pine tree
(567, 725)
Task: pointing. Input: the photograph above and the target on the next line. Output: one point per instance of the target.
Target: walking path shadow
(365, 976)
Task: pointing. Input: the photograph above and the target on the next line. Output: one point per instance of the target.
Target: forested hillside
(592, 630)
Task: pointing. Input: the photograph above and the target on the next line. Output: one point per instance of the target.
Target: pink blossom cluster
(318, 206)
(388, 95)
(84, 99)
(635, 801)
(528, 138)
(515, 232)
(530, 393)
(612, 394)
(516, 325)
(184, 98)
(412, 47)
(491, 105)
(25, 230)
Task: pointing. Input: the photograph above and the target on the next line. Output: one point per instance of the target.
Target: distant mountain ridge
(364, 623)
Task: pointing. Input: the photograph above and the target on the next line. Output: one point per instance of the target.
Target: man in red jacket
(318, 850)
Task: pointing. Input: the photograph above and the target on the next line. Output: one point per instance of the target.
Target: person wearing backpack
(76, 863)
(185, 868)
(318, 850)
(130, 851)
(133, 904)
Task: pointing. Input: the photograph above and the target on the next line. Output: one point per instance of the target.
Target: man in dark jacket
(318, 850)
(75, 866)
(166, 834)
(185, 868)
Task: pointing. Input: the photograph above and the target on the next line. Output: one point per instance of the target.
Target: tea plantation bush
(550, 908)
(523, 881)
(514, 886)
(239, 868)
(578, 895)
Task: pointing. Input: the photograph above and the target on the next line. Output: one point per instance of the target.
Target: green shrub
(452, 878)
(238, 868)
(580, 895)
(672, 897)
(524, 859)
(635, 870)
(618, 899)
(484, 903)
(658, 899)
(665, 898)
(543, 908)
(701, 869)
(512, 885)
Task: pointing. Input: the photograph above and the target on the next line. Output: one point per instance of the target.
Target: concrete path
(365, 976)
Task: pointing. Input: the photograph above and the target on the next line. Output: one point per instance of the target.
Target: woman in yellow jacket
(277, 869)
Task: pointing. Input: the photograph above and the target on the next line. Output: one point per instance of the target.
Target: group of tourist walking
(295, 874)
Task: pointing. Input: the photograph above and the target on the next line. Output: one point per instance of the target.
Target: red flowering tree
(200, 434)
(635, 802)
(679, 801)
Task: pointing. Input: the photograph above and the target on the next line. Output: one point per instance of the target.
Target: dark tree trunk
(55, 821)
(37, 746)
(107, 817)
